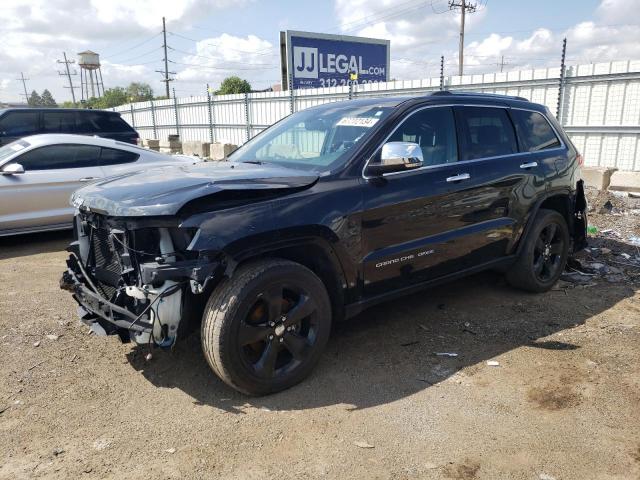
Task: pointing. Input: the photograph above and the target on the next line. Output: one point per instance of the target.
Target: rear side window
(19, 124)
(60, 156)
(101, 122)
(59, 122)
(534, 131)
(111, 156)
(485, 132)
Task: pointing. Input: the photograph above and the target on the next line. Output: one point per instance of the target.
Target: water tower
(90, 75)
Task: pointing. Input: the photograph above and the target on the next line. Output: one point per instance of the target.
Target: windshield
(11, 148)
(317, 139)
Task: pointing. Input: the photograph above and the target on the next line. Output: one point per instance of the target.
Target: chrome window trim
(460, 162)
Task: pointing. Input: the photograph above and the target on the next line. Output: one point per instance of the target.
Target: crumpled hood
(164, 190)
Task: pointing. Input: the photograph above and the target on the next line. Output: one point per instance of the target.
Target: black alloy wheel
(280, 330)
(264, 329)
(542, 254)
(547, 253)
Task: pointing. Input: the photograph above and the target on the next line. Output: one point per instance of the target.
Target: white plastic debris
(363, 444)
(53, 337)
(170, 450)
(36, 344)
(445, 354)
(493, 363)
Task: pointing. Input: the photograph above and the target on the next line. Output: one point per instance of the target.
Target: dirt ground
(563, 403)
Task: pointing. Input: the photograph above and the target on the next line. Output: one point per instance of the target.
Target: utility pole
(464, 6)
(68, 74)
(166, 60)
(502, 63)
(24, 85)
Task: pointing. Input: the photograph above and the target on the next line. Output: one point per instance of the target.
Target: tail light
(580, 159)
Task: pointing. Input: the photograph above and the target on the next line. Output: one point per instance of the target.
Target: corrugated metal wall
(600, 109)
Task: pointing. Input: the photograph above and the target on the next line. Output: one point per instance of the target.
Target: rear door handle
(457, 178)
(529, 165)
(88, 179)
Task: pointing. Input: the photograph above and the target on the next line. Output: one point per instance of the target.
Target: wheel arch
(313, 252)
(566, 202)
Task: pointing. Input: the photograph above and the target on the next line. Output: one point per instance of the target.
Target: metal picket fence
(600, 107)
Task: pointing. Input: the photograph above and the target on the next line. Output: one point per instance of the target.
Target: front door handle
(457, 178)
(529, 165)
(88, 179)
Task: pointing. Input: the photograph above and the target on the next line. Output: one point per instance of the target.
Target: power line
(121, 62)
(214, 58)
(127, 50)
(222, 67)
(464, 7)
(262, 51)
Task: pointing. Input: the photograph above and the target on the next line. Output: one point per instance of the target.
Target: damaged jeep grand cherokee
(328, 212)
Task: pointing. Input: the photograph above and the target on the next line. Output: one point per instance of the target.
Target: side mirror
(13, 169)
(397, 157)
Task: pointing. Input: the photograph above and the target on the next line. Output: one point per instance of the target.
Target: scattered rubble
(613, 254)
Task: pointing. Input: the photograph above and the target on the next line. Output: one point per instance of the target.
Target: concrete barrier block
(598, 177)
(151, 144)
(170, 146)
(193, 147)
(625, 181)
(220, 151)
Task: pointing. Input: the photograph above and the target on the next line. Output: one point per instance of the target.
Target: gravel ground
(562, 403)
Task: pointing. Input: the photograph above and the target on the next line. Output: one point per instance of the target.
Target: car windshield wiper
(254, 162)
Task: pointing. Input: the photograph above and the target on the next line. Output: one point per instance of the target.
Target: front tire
(544, 254)
(264, 329)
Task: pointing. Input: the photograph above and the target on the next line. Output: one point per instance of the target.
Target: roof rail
(477, 94)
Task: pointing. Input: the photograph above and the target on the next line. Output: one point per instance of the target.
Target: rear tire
(544, 254)
(264, 329)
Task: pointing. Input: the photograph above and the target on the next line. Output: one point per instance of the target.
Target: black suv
(16, 123)
(328, 212)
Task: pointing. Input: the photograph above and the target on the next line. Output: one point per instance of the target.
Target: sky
(211, 39)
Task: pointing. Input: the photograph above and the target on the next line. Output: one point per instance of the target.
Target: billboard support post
(292, 101)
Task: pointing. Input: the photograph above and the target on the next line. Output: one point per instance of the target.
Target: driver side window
(434, 130)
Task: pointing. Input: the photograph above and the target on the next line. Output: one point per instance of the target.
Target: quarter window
(485, 132)
(60, 156)
(111, 156)
(434, 130)
(534, 131)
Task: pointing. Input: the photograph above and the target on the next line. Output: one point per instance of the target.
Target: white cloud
(420, 33)
(36, 32)
(219, 57)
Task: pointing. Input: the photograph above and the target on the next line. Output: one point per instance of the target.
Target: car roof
(57, 138)
(64, 110)
(442, 96)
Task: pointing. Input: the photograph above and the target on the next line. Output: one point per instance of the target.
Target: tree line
(135, 92)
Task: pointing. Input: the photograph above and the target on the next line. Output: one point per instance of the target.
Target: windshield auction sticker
(367, 122)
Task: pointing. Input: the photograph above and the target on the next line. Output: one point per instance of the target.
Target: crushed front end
(135, 277)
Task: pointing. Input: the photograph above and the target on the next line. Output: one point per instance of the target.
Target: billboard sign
(317, 60)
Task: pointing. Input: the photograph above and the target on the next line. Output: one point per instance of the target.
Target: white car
(38, 174)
